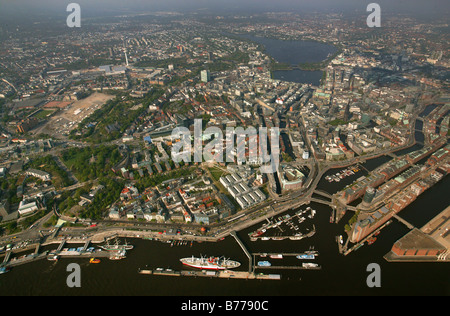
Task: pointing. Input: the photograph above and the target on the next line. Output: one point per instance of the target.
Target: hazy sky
(116, 7)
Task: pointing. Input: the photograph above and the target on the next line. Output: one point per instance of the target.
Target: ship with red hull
(210, 263)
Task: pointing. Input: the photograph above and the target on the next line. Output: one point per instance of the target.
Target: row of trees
(351, 221)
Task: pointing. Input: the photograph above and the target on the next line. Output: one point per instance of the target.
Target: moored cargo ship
(210, 263)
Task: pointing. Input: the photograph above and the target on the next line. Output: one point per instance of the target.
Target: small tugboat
(94, 260)
(371, 240)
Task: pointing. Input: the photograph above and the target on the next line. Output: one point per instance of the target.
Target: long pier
(225, 274)
(247, 253)
(289, 267)
(288, 254)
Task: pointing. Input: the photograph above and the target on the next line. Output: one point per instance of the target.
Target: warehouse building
(241, 192)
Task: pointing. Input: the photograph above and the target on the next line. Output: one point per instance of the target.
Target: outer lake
(294, 53)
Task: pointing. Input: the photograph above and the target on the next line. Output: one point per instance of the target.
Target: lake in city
(294, 53)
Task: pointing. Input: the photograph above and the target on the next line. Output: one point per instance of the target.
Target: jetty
(247, 253)
(223, 274)
(60, 252)
(290, 267)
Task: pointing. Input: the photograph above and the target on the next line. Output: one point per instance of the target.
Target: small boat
(371, 240)
(257, 233)
(53, 258)
(309, 265)
(276, 256)
(118, 255)
(305, 256)
(311, 251)
(4, 270)
(264, 264)
(94, 260)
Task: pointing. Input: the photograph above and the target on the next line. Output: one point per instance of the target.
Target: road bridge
(38, 247)
(7, 256)
(323, 193)
(391, 154)
(86, 245)
(61, 245)
(331, 204)
(408, 224)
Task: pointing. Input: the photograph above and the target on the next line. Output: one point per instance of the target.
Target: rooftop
(416, 239)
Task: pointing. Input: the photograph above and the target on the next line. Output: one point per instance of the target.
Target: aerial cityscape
(236, 148)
